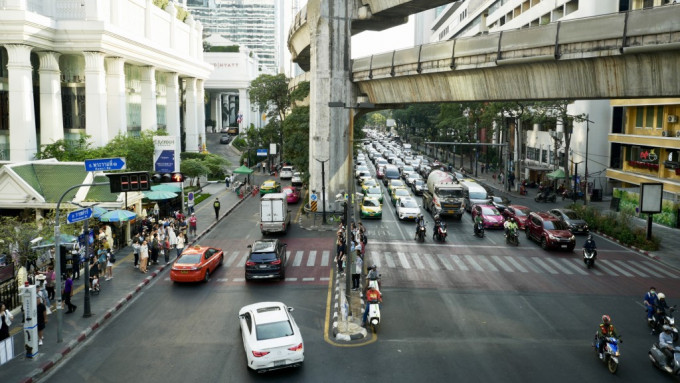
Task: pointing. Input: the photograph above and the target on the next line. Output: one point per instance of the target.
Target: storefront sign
(673, 161)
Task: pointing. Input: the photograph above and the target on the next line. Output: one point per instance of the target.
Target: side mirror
(250, 246)
(290, 309)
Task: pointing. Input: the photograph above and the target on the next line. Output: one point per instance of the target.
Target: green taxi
(375, 192)
(399, 192)
(270, 186)
(371, 208)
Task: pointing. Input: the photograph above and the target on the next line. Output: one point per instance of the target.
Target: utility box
(596, 196)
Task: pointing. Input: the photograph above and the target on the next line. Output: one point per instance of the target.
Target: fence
(9, 294)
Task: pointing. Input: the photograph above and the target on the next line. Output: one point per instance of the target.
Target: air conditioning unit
(666, 133)
(672, 119)
(677, 134)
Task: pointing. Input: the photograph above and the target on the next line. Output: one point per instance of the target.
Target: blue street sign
(165, 162)
(79, 215)
(314, 197)
(262, 152)
(102, 164)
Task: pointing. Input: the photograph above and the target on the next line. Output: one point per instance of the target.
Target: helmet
(436, 216)
(661, 295)
(590, 237)
(374, 267)
(606, 318)
(512, 219)
(667, 327)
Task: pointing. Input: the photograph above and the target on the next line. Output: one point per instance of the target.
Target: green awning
(243, 170)
(556, 175)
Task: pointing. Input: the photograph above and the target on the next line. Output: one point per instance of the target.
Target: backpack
(112, 258)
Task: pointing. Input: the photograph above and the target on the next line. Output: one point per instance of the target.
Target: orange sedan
(196, 263)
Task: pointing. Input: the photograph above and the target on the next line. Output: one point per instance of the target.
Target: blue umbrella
(97, 211)
(159, 195)
(117, 216)
(167, 187)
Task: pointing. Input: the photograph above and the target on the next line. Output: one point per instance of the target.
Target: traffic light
(129, 182)
(162, 178)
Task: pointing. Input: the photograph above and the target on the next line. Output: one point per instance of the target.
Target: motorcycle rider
(373, 276)
(510, 225)
(372, 296)
(660, 310)
(420, 221)
(589, 245)
(477, 223)
(605, 330)
(650, 301)
(666, 343)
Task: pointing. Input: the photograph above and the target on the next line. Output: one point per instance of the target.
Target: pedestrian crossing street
(548, 264)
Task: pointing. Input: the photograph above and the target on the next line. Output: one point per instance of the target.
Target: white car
(271, 338)
(286, 173)
(296, 180)
(407, 208)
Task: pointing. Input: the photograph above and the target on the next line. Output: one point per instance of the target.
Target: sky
(366, 43)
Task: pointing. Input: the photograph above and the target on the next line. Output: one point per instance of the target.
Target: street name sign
(103, 164)
(79, 215)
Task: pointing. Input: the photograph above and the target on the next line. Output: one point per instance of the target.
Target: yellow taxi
(270, 186)
(371, 208)
(367, 183)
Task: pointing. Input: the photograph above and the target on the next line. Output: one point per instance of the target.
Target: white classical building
(100, 68)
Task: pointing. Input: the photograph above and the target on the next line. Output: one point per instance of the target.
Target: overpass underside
(645, 75)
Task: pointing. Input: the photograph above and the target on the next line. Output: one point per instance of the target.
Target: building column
(149, 117)
(218, 112)
(22, 134)
(51, 117)
(96, 124)
(244, 109)
(116, 96)
(330, 82)
(172, 106)
(191, 116)
(200, 108)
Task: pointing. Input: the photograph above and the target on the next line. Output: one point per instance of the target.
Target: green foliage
(160, 3)
(182, 13)
(228, 48)
(619, 226)
(64, 150)
(630, 201)
(270, 93)
(194, 168)
(296, 130)
(240, 143)
(300, 92)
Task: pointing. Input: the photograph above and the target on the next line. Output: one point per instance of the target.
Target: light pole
(575, 190)
(323, 188)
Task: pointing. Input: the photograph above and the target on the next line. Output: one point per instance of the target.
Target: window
(659, 117)
(649, 117)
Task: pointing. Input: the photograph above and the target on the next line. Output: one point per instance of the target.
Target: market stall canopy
(117, 216)
(167, 187)
(159, 195)
(556, 175)
(98, 211)
(243, 170)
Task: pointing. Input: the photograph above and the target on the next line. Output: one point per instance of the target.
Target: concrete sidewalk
(112, 299)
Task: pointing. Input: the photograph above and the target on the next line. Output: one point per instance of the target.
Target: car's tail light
(276, 262)
(250, 263)
(259, 354)
(296, 348)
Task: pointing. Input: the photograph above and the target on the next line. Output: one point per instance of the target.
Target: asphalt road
(471, 310)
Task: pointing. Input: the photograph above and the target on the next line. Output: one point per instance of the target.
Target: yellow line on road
(327, 324)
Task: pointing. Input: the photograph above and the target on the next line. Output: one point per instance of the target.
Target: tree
(270, 93)
(194, 168)
(296, 130)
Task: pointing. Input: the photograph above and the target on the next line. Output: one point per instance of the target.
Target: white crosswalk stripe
(473, 263)
(517, 265)
(443, 259)
(502, 264)
(389, 260)
(603, 266)
(375, 259)
(311, 259)
(659, 269)
(325, 256)
(417, 261)
(558, 266)
(486, 264)
(626, 266)
(403, 260)
(618, 269)
(242, 260)
(544, 265)
(572, 266)
(431, 262)
(298, 258)
(231, 258)
(459, 263)
(287, 257)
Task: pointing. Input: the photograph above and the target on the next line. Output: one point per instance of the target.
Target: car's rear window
(189, 259)
(371, 202)
(273, 330)
(555, 225)
(392, 173)
(489, 211)
(262, 257)
(571, 214)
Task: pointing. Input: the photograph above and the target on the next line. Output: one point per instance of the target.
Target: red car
(196, 263)
(491, 218)
(549, 231)
(380, 172)
(519, 213)
(292, 194)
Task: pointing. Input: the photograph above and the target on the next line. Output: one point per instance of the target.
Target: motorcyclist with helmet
(589, 245)
(605, 330)
(478, 222)
(660, 311)
(650, 301)
(666, 343)
(510, 225)
(420, 221)
(373, 276)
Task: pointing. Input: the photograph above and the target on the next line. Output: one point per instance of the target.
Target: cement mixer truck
(444, 195)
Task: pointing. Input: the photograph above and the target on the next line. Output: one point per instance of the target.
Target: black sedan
(575, 223)
(500, 203)
(225, 139)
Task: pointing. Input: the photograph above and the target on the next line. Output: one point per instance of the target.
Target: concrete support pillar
(148, 82)
(200, 107)
(96, 124)
(147, 19)
(244, 108)
(116, 97)
(330, 65)
(218, 111)
(22, 134)
(51, 118)
(170, 8)
(191, 116)
(114, 12)
(172, 105)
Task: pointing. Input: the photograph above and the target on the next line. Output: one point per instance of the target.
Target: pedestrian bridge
(624, 55)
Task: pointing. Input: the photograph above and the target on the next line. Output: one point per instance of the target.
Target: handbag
(8, 318)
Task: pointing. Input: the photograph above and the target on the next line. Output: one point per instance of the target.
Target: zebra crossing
(548, 264)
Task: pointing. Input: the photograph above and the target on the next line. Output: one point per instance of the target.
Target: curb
(362, 334)
(640, 251)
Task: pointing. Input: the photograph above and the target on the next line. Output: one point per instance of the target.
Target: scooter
(420, 232)
(545, 196)
(512, 238)
(610, 351)
(569, 194)
(659, 360)
(479, 230)
(374, 315)
(589, 257)
(660, 319)
(94, 285)
(440, 232)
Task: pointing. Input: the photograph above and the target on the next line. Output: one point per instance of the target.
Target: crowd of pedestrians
(358, 241)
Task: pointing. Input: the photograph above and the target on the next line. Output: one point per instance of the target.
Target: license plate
(263, 266)
(564, 246)
(279, 363)
(450, 211)
(185, 272)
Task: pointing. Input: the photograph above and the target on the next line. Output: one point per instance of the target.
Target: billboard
(166, 154)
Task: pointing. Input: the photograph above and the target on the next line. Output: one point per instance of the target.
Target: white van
(274, 213)
(474, 193)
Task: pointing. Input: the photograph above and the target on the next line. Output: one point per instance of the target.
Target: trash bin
(597, 195)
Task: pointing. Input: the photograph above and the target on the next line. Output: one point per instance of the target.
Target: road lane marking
(325, 256)
(574, 267)
(658, 269)
(620, 270)
(603, 267)
(625, 265)
(389, 260)
(312, 258)
(459, 263)
(375, 257)
(530, 265)
(403, 260)
(544, 265)
(445, 262)
(298, 258)
(471, 260)
(431, 261)
(558, 266)
(502, 264)
(308, 279)
(517, 265)
(243, 259)
(287, 257)
(291, 279)
(417, 261)
(232, 258)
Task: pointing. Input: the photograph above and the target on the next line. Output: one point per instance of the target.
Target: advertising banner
(166, 154)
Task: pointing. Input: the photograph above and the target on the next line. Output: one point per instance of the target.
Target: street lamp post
(323, 188)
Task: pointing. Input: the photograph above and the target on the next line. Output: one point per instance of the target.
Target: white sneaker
(601, 356)
(40, 342)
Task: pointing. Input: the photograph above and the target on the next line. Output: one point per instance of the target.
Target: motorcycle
(479, 230)
(589, 257)
(439, 232)
(659, 360)
(512, 238)
(545, 196)
(610, 351)
(374, 315)
(420, 232)
(664, 318)
(569, 194)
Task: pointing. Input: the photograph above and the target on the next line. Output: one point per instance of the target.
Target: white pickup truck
(274, 213)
